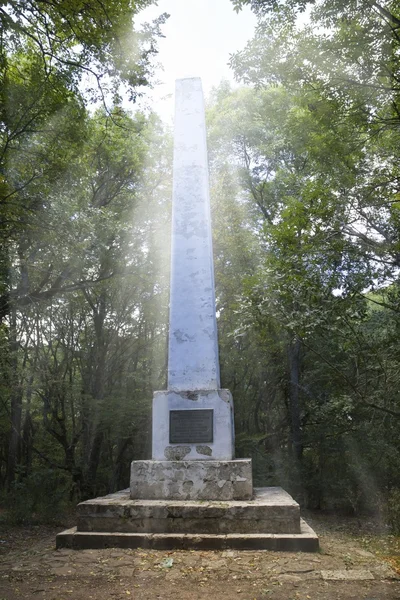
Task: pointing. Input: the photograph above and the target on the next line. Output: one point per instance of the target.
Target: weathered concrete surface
(193, 346)
(222, 446)
(191, 480)
(306, 541)
(271, 511)
(347, 575)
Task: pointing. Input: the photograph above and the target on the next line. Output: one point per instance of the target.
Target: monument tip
(182, 79)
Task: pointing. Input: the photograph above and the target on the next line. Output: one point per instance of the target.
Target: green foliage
(73, 38)
(312, 365)
(55, 59)
(86, 344)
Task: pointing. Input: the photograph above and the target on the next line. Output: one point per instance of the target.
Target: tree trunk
(97, 386)
(294, 403)
(14, 446)
(28, 430)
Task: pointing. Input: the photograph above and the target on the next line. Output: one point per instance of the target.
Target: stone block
(305, 541)
(347, 575)
(221, 446)
(271, 511)
(192, 480)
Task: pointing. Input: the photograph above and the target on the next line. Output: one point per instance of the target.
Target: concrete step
(271, 511)
(305, 541)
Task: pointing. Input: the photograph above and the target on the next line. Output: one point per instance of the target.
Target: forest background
(305, 191)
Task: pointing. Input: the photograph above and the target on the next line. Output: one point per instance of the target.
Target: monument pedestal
(191, 480)
(270, 521)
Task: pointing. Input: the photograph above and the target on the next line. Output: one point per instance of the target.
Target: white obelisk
(193, 418)
(193, 345)
(192, 435)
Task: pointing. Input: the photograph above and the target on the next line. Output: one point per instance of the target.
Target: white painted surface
(222, 448)
(193, 345)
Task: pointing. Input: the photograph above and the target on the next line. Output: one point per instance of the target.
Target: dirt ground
(357, 560)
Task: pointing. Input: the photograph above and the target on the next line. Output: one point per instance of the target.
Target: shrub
(41, 497)
(393, 510)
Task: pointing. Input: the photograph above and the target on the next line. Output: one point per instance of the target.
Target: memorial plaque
(191, 426)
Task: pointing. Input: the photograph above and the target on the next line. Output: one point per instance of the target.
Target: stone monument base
(191, 480)
(270, 521)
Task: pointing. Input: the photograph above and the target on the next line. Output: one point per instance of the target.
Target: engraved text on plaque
(190, 426)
